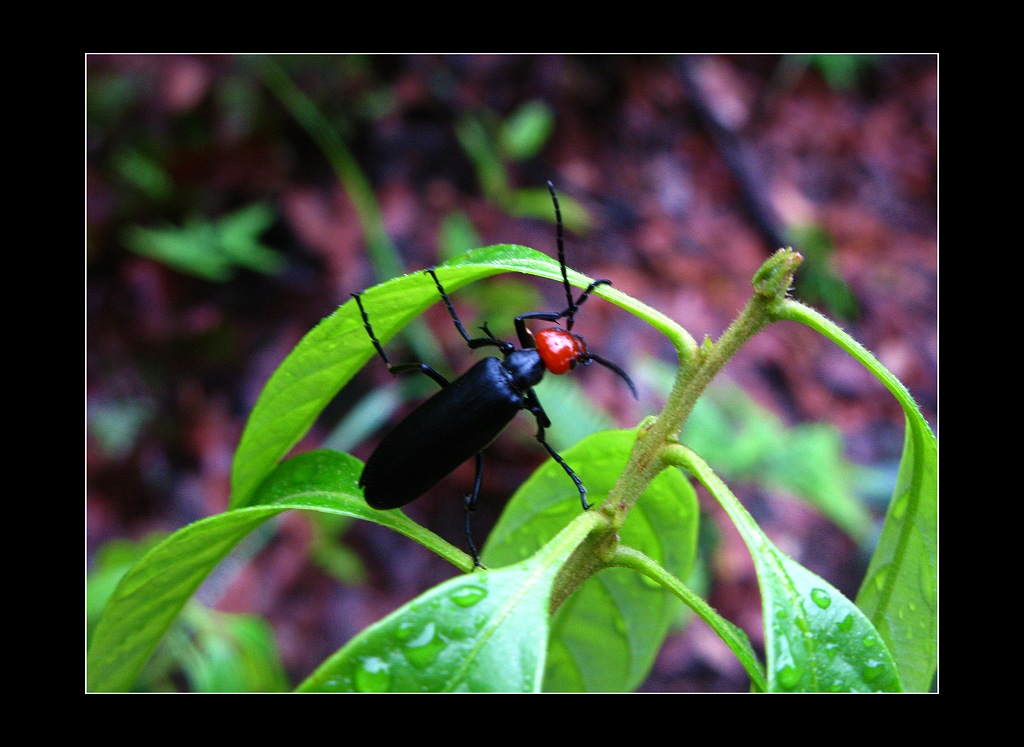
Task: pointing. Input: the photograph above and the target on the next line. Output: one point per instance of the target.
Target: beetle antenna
(612, 367)
(559, 233)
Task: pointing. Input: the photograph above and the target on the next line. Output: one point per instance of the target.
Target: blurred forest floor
(219, 233)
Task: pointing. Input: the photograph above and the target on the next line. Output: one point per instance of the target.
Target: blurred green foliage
(330, 553)
(818, 282)
(842, 72)
(493, 144)
(212, 249)
(747, 443)
(211, 651)
(143, 171)
(115, 424)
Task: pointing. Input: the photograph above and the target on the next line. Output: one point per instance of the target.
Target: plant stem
(794, 310)
(696, 370)
(658, 436)
(735, 639)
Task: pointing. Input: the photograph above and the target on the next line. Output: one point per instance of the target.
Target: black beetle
(462, 419)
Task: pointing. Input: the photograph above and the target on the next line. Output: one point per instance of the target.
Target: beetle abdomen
(446, 430)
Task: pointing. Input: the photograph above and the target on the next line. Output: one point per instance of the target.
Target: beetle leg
(473, 342)
(422, 368)
(525, 338)
(574, 306)
(533, 405)
(401, 367)
(568, 313)
(471, 501)
(487, 331)
(369, 330)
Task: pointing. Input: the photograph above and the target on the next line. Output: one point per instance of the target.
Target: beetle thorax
(525, 367)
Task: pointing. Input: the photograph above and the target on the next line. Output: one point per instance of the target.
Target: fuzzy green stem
(697, 367)
(798, 312)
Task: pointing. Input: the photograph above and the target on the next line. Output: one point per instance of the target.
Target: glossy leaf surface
(816, 639)
(605, 636)
(900, 590)
(152, 593)
(485, 631)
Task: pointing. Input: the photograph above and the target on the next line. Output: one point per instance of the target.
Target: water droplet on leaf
(821, 598)
(373, 676)
(467, 596)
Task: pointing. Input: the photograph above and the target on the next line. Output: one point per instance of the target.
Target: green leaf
(144, 172)
(481, 632)
(327, 481)
(112, 561)
(735, 638)
(333, 351)
(526, 130)
(152, 593)
(843, 653)
(816, 639)
(237, 234)
(746, 442)
(234, 653)
(480, 146)
(535, 202)
(573, 416)
(606, 635)
(900, 590)
(212, 249)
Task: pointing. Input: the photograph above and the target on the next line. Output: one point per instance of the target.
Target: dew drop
(467, 596)
(788, 677)
(873, 670)
(337, 684)
(373, 675)
(423, 648)
(821, 598)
